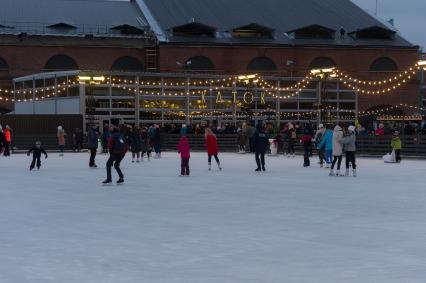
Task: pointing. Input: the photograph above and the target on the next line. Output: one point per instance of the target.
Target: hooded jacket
(184, 148)
(337, 145)
(349, 142)
(327, 140)
(260, 140)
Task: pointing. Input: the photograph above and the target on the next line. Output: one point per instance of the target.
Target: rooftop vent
(62, 25)
(194, 29)
(253, 30)
(313, 31)
(374, 32)
(128, 30)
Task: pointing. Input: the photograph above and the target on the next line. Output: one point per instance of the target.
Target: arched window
(199, 63)
(3, 64)
(261, 64)
(61, 63)
(322, 63)
(384, 64)
(127, 63)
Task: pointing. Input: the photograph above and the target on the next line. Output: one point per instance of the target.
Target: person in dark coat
(78, 140)
(155, 135)
(307, 145)
(37, 150)
(145, 144)
(117, 150)
(135, 143)
(92, 145)
(260, 144)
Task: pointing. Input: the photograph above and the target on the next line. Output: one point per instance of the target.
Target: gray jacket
(349, 142)
(92, 139)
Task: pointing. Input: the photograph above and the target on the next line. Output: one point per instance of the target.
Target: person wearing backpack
(117, 150)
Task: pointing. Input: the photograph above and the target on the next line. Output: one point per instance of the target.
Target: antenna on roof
(192, 20)
(377, 7)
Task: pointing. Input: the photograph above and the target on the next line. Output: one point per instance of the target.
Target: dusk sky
(409, 16)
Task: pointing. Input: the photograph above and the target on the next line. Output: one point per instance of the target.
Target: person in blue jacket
(327, 143)
(261, 143)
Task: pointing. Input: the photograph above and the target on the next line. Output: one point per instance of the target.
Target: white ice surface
(290, 224)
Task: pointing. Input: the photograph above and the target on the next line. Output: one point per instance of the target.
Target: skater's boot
(220, 167)
(338, 173)
(258, 170)
(107, 182)
(354, 172)
(38, 167)
(288, 155)
(331, 173)
(210, 167)
(137, 160)
(133, 160)
(120, 181)
(293, 155)
(263, 168)
(347, 172)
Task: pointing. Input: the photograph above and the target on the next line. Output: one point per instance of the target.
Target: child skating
(184, 150)
(37, 150)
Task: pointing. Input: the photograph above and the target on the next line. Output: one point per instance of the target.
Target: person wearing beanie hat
(37, 150)
(319, 135)
(349, 146)
(61, 140)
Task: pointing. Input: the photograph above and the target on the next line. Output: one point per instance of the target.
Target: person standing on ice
(135, 143)
(327, 145)
(337, 150)
(307, 145)
(184, 150)
(92, 145)
(396, 145)
(155, 135)
(261, 142)
(319, 135)
(349, 144)
(291, 140)
(61, 140)
(212, 148)
(7, 140)
(117, 150)
(37, 150)
(2, 141)
(145, 144)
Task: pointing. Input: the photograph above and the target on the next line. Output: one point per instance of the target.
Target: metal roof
(75, 17)
(281, 15)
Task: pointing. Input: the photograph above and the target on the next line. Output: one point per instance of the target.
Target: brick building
(273, 37)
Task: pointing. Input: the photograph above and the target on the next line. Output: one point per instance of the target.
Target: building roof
(280, 15)
(71, 17)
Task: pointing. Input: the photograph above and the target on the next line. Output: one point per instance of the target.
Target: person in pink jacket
(184, 150)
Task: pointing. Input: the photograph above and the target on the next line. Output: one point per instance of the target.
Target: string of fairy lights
(160, 87)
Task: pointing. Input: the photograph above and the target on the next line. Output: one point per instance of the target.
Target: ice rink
(288, 225)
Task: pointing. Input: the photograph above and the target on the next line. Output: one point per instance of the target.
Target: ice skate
(137, 160)
(210, 167)
(293, 155)
(347, 173)
(107, 182)
(258, 170)
(354, 173)
(331, 173)
(133, 160)
(120, 181)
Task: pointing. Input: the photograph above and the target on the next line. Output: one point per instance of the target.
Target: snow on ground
(290, 224)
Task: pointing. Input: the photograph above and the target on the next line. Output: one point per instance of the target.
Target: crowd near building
(176, 62)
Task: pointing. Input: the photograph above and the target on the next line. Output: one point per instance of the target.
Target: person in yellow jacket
(396, 145)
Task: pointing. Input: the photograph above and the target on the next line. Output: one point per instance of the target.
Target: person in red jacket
(7, 141)
(306, 140)
(184, 150)
(212, 148)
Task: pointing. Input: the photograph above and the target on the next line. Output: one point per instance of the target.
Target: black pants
(114, 159)
(251, 145)
(215, 157)
(260, 160)
(242, 147)
(33, 163)
(148, 154)
(350, 158)
(290, 146)
(307, 150)
(92, 156)
(6, 149)
(184, 166)
(321, 155)
(339, 162)
(397, 155)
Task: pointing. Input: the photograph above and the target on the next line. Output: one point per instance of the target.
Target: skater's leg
(182, 166)
(339, 162)
(262, 160)
(334, 162)
(256, 156)
(109, 165)
(347, 159)
(92, 157)
(117, 162)
(38, 162)
(33, 163)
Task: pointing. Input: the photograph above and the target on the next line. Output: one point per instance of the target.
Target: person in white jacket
(337, 150)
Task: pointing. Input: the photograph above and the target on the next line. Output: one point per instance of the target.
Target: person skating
(2, 140)
(37, 150)
(261, 143)
(135, 143)
(61, 140)
(307, 145)
(184, 150)
(396, 145)
(349, 145)
(155, 137)
(319, 135)
(212, 148)
(291, 140)
(7, 140)
(337, 150)
(327, 145)
(145, 144)
(117, 150)
(92, 145)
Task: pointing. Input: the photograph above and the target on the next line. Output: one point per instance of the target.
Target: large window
(383, 64)
(61, 63)
(261, 64)
(127, 63)
(199, 63)
(321, 63)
